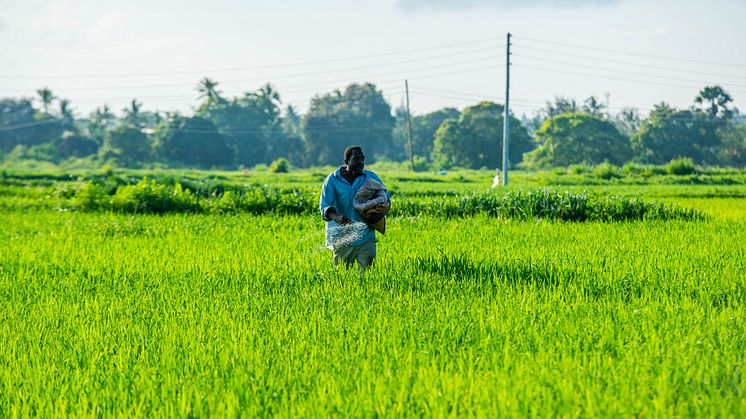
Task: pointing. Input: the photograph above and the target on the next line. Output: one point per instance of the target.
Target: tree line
(256, 128)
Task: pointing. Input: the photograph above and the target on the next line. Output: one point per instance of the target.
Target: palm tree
(269, 92)
(208, 89)
(103, 114)
(133, 112)
(67, 114)
(714, 100)
(46, 97)
(99, 121)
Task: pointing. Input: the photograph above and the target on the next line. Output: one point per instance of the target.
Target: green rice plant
(606, 171)
(281, 165)
(190, 314)
(150, 197)
(681, 167)
(545, 203)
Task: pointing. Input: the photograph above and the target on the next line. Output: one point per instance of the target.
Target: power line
(416, 77)
(378, 83)
(618, 71)
(27, 125)
(270, 66)
(629, 63)
(612, 51)
(158, 86)
(527, 103)
(610, 78)
(474, 95)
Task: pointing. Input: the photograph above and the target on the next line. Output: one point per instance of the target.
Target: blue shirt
(338, 193)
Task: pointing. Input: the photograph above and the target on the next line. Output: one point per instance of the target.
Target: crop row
(151, 197)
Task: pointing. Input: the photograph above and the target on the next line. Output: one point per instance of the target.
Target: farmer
(347, 234)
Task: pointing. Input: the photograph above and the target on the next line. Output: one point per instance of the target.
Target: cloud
(413, 6)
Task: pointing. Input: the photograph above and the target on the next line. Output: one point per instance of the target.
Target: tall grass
(243, 315)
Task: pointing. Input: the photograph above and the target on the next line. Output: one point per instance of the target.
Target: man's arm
(326, 204)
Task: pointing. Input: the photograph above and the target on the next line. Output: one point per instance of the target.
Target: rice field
(240, 314)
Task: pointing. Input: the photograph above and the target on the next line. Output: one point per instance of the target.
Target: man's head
(355, 159)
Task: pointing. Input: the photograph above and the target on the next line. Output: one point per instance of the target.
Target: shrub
(681, 166)
(653, 170)
(150, 197)
(606, 171)
(88, 197)
(281, 165)
(632, 169)
(578, 169)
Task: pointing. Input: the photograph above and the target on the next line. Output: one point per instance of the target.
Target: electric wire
(269, 66)
(636, 54)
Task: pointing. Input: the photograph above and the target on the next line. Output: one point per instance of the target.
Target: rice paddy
(241, 313)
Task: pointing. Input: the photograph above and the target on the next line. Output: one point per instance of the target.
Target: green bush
(653, 171)
(281, 165)
(150, 197)
(606, 171)
(578, 169)
(632, 169)
(681, 166)
(87, 197)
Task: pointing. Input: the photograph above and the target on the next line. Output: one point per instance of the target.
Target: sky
(627, 53)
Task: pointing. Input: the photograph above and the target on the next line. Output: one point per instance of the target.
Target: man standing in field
(347, 234)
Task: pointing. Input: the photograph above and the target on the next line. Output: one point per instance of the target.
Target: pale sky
(452, 52)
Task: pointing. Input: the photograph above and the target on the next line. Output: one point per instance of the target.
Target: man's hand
(331, 214)
(342, 220)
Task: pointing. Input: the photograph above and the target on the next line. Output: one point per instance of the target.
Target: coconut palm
(46, 97)
(208, 89)
(67, 114)
(133, 113)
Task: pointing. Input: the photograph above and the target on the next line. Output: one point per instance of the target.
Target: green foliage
(632, 169)
(668, 134)
(544, 203)
(252, 131)
(420, 164)
(715, 101)
(579, 169)
(424, 128)
(192, 315)
(195, 293)
(194, 142)
(88, 196)
(360, 115)
(38, 128)
(148, 196)
(606, 171)
(73, 144)
(733, 147)
(127, 145)
(573, 138)
(681, 166)
(474, 140)
(251, 124)
(100, 121)
(281, 165)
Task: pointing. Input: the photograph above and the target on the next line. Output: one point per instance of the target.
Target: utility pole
(409, 128)
(506, 120)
